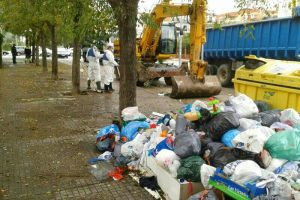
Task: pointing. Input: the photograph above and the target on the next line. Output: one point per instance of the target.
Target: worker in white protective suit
(93, 56)
(109, 64)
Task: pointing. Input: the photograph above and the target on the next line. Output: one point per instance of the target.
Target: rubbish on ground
(246, 124)
(187, 144)
(243, 105)
(169, 160)
(253, 139)
(190, 168)
(285, 145)
(204, 195)
(278, 126)
(149, 182)
(269, 117)
(206, 171)
(129, 132)
(106, 156)
(132, 114)
(117, 173)
(260, 151)
(290, 117)
(228, 137)
(262, 106)
(221, 123)
(101, 170)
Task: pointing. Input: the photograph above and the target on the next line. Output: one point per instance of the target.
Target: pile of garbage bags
(238, 140)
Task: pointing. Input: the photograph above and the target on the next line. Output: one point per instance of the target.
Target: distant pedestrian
(109, 64)
(27, 54)
(14, 53)
(93, 56)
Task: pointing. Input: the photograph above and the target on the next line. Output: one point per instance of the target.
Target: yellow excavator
(159, 44)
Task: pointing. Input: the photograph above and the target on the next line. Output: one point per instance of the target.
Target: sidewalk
(47, 135)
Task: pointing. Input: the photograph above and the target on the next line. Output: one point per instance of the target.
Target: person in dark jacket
(14, 53)
(27, 54)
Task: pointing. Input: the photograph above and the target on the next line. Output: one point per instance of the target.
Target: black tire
(140, 83)
(211, 70)
(225, 75)
(168, 81)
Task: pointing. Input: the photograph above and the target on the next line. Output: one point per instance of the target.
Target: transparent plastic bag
(100, 170)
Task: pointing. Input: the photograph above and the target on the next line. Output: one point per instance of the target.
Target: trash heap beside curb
(239, 148)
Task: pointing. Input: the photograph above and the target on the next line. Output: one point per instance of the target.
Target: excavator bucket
(185, 87)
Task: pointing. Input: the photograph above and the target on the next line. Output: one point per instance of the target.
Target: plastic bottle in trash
(181, 124)
(192, 116)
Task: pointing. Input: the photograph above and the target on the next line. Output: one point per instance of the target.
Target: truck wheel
(168, 81)
(225, 74)
(140, 83)
(211, 70)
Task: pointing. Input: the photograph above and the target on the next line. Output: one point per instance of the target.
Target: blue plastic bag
(228, 137)
(131, 129)
(111, 129)
(167, 143)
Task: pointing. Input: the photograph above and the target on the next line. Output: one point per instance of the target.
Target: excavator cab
(168, 40)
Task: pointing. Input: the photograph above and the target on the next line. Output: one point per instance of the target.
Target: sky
(218, 6)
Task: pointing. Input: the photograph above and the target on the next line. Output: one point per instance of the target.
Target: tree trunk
(54, 52)
(33, 46)
(127, 35)
(44, 51)
(1, 50)
(76, 67)
(37, 50)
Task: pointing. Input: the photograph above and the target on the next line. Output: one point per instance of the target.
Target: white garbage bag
(132, 149)
(243, 105)
(290, 117)
(206, 171)
(246, 124)
(242, 171)
(275, 163)
(253, 139)
(132, 114)
(169, 160)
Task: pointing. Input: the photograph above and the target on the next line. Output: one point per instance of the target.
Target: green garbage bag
(285, 144)
(190, 168)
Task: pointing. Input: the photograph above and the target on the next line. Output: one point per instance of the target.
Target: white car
(63, 52)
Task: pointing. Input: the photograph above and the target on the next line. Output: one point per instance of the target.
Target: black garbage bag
(241, 154)
(190, 168)
(187, 144)
(220, 124)
(262, 106)
(149, 182)
(218, 154)
(269, 117)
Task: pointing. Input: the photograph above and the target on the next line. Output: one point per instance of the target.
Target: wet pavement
(47, 135)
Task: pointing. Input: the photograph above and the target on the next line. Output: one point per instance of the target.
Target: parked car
(63, 53)
(49, 52)
(20, 50)
(5, 52)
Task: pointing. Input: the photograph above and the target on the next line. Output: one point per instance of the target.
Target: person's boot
(89, 85)
(110, 87)
(99, 90)
(106, 88)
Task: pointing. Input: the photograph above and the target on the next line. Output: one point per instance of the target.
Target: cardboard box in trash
(173, 189)
(249, 191)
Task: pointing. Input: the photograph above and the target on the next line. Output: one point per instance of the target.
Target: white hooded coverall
(94, 66)
(109, 67)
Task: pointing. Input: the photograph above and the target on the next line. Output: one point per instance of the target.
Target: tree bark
(1, 50)
(54, 52)
(37, 50)
(126, 11)
(33, 46)
(44, 51)
(76, 67)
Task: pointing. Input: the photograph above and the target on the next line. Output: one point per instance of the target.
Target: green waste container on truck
(276, 82)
